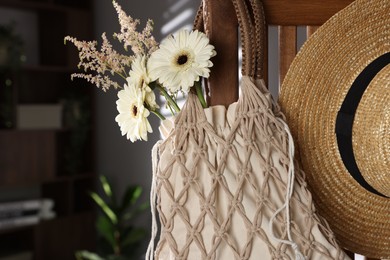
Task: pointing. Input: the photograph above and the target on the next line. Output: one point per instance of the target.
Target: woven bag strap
(259, 35)
(251, 21)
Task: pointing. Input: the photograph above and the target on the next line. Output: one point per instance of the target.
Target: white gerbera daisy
(132, 118)
(150, 99)
(138, 73)
(181, 60)
(140, 78)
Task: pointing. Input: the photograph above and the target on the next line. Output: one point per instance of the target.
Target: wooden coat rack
(221, 26)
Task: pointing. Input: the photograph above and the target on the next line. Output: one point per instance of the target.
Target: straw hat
(336, 98)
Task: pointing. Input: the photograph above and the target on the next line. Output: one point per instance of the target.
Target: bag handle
(251, 22)
(259, 37)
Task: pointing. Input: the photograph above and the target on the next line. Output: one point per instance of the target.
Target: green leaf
(136, 194)
(104, 207)
(106, 229)
(131, 196)
(106, 186)
(86, 255)
(135, 235)
(144, 206)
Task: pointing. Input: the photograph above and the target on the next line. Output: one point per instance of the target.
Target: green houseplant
(119, 239)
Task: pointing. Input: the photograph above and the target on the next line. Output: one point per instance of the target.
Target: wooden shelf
(58, 162)
(49, 239)
(16, 229)
(68, 178)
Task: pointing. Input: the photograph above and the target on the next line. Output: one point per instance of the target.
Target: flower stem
(170, 109)
(199, 93)
(168, 98)
(158, 114)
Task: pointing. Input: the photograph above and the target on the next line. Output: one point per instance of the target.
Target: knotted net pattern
(220, 177)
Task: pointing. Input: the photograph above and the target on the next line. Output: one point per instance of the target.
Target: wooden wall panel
(310, 30)
(287, 49)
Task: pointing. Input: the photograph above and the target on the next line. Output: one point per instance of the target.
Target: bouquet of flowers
(175, 65)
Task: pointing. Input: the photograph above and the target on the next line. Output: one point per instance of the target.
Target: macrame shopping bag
(225, 186)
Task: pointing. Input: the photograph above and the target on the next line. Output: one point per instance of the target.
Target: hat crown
(371, 133)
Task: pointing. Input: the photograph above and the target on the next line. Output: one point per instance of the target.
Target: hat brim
(311, 96)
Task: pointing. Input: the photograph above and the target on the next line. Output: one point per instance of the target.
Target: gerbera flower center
(134, 110)
(183, 59)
